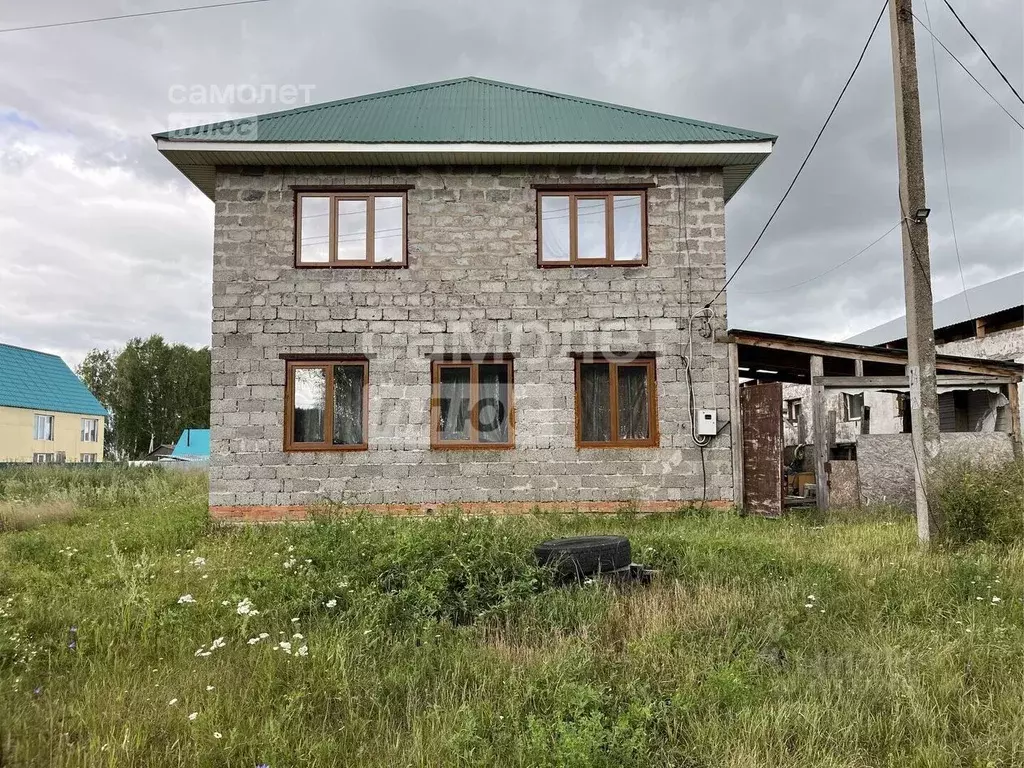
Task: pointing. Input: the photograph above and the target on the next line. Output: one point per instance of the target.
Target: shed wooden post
(735, 426)
(820, 429)
(858, 367)
(1013, 395)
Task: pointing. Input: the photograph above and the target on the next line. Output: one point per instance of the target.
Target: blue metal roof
(41, 381)
(194, 443)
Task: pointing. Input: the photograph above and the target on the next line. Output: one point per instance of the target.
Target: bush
(978, 501)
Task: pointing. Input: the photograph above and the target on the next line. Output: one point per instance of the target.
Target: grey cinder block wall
(472, 285)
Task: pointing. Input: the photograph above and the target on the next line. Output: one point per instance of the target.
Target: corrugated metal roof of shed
(31, 379)
(472, 109)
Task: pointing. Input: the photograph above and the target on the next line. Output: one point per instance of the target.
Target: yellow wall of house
(16, 435)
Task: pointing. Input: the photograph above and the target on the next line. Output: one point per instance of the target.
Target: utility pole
(917, 278)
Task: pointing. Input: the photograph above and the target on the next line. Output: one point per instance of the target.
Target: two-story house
(467, 292)
(47, 415)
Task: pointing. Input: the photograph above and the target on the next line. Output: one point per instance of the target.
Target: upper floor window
(588, 228)
(471, 404)
(616, 403)
(350, 229)
(90, 430)
(326, 405)
(43, 427)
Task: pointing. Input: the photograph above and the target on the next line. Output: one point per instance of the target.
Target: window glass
(453, 402)
(314, 213)
(627, 222)
(555, 228)
(348, 405)
(43, 427)
(591, 229)
(595, 402)
(493, 406)
(632, 402)
(89, 430)
(388, 230)
(351, 230)
(309, 390)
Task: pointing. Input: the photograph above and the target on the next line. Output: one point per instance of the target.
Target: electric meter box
(707, 423)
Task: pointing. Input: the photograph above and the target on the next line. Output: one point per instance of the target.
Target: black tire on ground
(583, 556)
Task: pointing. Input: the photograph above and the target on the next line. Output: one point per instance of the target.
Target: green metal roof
(474, 110)
(41, 381)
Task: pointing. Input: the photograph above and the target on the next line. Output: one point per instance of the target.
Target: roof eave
(198, 160)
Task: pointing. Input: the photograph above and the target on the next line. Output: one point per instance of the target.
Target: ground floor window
(616, 403)
(326, 405)
(471, 404)
(42, 458)
(87, 458)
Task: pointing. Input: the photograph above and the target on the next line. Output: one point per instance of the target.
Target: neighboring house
(986, 322)
(47, 415)
(193, 445)
(467, 292)
(159, 452)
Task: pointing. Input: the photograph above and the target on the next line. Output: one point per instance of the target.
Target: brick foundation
(298, 512)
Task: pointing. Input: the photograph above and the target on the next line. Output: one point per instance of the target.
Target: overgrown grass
(437, 642)
(979, 501)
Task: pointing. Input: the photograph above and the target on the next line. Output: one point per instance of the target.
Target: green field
(435, 642)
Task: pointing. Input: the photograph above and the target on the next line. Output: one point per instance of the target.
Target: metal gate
(761, 417)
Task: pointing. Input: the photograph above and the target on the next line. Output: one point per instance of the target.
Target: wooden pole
(917, 284)
(820, 425)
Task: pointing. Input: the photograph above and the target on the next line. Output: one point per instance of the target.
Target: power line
(945, 166)
(969, 74)
(981, 48)
(808, 157)
(841, 264)
(131, 15)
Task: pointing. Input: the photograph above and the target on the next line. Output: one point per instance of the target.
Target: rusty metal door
(761, 417)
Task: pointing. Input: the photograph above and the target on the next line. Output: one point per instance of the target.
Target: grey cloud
(98, 91)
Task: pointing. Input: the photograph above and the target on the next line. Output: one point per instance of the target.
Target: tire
(583, 556)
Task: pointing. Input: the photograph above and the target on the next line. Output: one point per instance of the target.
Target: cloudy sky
(102, 240)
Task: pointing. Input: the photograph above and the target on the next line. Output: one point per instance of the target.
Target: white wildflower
(302, 651)
(808, 605)
(264, 635)
(193, 716)
(199, 562)
(996, 599)
(286, 646)
(331, 603)
(217, 735)
(811, 597)
(172, 702)
(186, 599)
(245, 608)
(218, 643)
(295, 620)
(209, 688)
(297, 636)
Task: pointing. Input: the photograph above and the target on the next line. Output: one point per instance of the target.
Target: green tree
(153, 391)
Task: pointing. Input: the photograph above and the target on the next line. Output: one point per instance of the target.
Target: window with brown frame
(471, 404)
(350, 229)
(616, 403)
(326, 405)
(592, 227)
